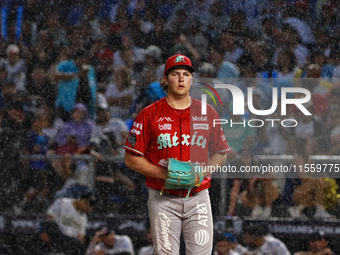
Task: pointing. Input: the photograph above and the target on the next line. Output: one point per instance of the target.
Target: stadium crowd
(74, 74)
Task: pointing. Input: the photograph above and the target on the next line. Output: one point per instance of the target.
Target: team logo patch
(201, 126)
(201, 237)
(164, 119)
(180, 59)
(132, 139)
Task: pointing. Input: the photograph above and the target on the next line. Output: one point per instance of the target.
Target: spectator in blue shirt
(76, 84)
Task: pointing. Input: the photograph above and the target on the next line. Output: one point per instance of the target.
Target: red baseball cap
(178, 61)
(106, 55)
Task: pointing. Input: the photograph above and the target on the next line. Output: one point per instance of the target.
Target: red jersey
(160, 132)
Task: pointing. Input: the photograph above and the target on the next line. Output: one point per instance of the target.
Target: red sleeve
(136, 141)
(218, 141)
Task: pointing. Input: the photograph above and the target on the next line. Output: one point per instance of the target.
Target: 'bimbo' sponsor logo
(165, 126)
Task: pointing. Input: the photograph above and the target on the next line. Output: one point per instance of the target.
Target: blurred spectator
(15, 67)
(291, 39)
(142, 22)
(129, 55)
(307, 190)
(318, 57)
(152, 59)
(15, 127)
(121, 94)
(235, 245)
(232, 51)
(71, 217)
(335, 59)
(112, 33)
(334, 136)
(229, 241)
(259, 242)
(258, 193)
(259, 56)
(181, 45)
(317, 245)
(327, 19)
(79, 126)
(161, 37)
(286, 69)
(223, 246)
(197, 10)
(250, 9)
(270, 34)
(35, 183)
(301, 27)
(239, 136)
(315, 83)
(259, 85)
(55, 29)
(217, 20)
(3, 73)
(43, 53)
(224, 69)
(147, 250)
(312, 126)
(74, 137)
(276, 139)
(277, 9)
(6, 249)
(104, 67)
(91, 16)
(324, 42)
(333, 98)
(178, 19)
(8, 92)
(113, 186)
(40, 85)
(52, 241)
(238, 24)
(77, 84)
(106, 241)
(150, 89)
(197, 39)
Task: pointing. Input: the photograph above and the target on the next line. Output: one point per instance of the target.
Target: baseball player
(172, 143)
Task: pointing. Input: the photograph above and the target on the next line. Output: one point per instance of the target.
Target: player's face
(179, 82)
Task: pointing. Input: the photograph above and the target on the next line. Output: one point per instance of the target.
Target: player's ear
(164, 84)
(165, 79)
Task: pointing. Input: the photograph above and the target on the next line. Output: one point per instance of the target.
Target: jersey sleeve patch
(132, 139)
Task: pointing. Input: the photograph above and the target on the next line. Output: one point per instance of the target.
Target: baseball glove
(182, 175)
